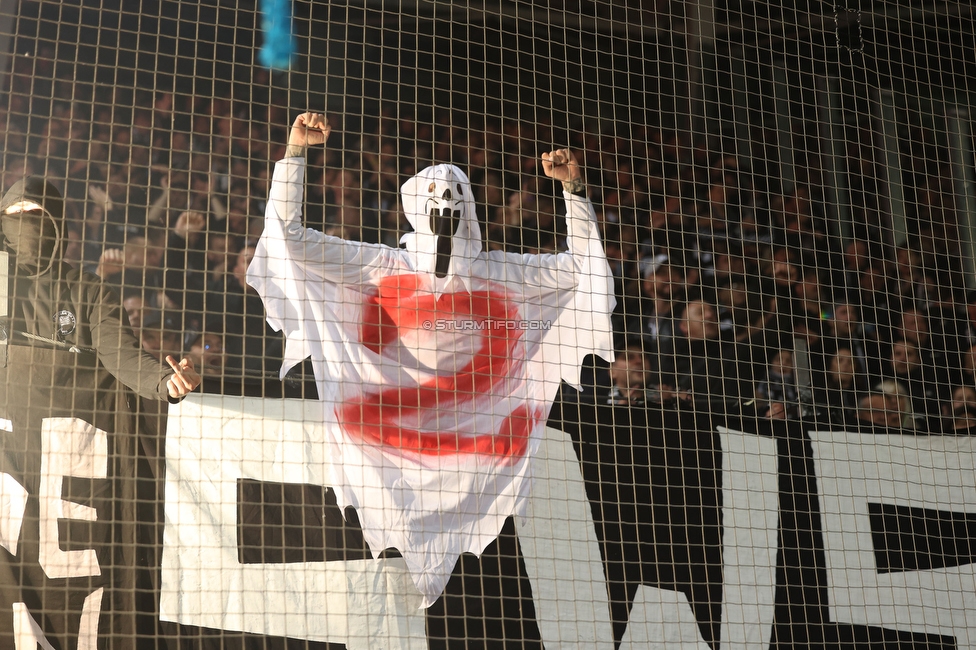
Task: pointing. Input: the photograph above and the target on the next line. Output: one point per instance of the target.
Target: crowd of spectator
(727, 322)
(717, 279)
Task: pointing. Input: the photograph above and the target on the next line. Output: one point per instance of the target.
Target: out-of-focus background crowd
(729, 295)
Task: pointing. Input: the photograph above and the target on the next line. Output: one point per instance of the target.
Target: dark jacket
(54, 305)
(71, 435)
(718, 374)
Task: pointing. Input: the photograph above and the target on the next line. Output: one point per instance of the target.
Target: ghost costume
(436, 363)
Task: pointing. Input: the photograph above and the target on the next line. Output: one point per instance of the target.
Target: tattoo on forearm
(294, 150)
(574, 186)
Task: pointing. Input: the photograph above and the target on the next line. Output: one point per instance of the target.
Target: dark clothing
(616, 398)
(840, 404)
(655, 332)
(251, 347)
(717, 373)
(99, 325)
(867, 353)
(67, 413)
(71, 435)
(780, 388)
(922, 387)
(967, 431)
(55, 305)
(595, 383)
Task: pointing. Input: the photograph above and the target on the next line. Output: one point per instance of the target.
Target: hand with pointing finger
(184, 381)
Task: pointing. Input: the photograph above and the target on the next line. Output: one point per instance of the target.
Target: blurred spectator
(779, 268)
(186, 261)
(857, 256)
(724, 263)
(135, 307)
(801, 228)
(959, 414)
(909, 274)
(628, 378)
(899, 398)
(845, 330)
(663, 284)
(875, 297)
(912, 325)
(741, 312)
(810, 303)
(148, 265)
(778, 386)
(222, 249)
(879, 412)
(188, 234)
(702, 368)
(969, 366)
(904, 365)
(250, 345)
(161, 334)
(966, 322)
(206, 350)
(839, 386)
(621, 249)
(351, 211)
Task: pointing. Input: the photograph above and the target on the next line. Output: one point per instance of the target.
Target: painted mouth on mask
(444, 213)
(444, 223)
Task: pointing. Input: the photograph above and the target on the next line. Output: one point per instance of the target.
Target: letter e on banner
(861, 475)
(69, 447)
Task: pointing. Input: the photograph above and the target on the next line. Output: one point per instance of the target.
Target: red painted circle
(379, 418)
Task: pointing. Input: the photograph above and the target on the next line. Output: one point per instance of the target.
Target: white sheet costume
(436, 383)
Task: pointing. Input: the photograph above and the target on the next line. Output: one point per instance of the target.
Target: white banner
(212, 441)
(926, 472)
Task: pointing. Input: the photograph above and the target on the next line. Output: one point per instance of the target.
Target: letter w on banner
(216, 444)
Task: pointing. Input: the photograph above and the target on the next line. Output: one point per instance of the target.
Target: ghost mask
(439, 204)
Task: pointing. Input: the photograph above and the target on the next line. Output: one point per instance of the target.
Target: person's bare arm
(157, 211)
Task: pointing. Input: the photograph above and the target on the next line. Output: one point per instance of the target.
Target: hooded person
(436, 363)
(76, 562)
(32, 218)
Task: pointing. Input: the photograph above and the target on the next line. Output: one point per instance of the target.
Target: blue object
(279, 46)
